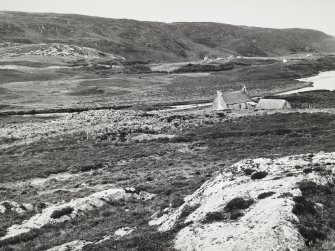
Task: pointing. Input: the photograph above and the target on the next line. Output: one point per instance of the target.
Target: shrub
(213, 217)
(187, 210)
(177, 202)
(310, 187)
(236, 214)
(238, 203)
(259, 175)
(265, 195)
(7, 205)
(285, 195)
(311, 235)
(249, 171)
(3, 232)
(303, 206)
(61, 212)
(307, 170)
(181, 139)
(87, 168)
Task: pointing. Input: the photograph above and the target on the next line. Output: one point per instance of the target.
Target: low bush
(311, 235)
(312, 188)
(61, 212)
(259, 175)
(236, 215)
(249, 171)
(187, 210)
(213, 217)
(177, 202)
(265, 195)
(238, 203)
(303, 206)
(3, 232)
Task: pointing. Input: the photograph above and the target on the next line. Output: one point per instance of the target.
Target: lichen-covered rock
(267, 223)
(13, 206)
(76, 245)
(67, 211)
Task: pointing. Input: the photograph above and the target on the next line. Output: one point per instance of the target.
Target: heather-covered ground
(168, 168)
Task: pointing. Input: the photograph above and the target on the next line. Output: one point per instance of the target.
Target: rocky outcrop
(20, 208)
(76, 245)
(249, 207)
(63, 212)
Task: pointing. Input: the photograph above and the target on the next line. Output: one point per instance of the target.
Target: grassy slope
(159, 41)
(171, 174)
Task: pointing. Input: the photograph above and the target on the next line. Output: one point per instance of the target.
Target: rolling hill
(139, 40)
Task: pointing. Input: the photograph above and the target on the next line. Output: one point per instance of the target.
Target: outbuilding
(273, 104)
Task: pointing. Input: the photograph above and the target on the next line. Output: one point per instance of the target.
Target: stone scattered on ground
(102, 125)
(66, 211)
(249, 207)
(124, 231)
(147, 137)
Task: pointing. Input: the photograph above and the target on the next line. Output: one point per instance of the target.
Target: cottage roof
(236, 97)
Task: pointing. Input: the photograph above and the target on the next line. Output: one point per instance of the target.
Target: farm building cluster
(238, 100)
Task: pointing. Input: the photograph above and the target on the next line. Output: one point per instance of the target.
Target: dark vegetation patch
(285, 195)
(238, 204)
(177, 201)
(204, 67)
(315, 223)
(214, 217)
(187, 210)
(249, 171)
(307, 170)
(9, 76)
(3, 232)
(265, 195)
(303, 206)
(7, 205)
(61, 212)
(259, 175)
(234, 215)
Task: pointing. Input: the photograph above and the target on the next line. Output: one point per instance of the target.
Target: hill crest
(156, 41)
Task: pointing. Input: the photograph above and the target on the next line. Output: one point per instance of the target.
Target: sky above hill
(313, 14)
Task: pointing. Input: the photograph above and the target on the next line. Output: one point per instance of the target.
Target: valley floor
(96, 177)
